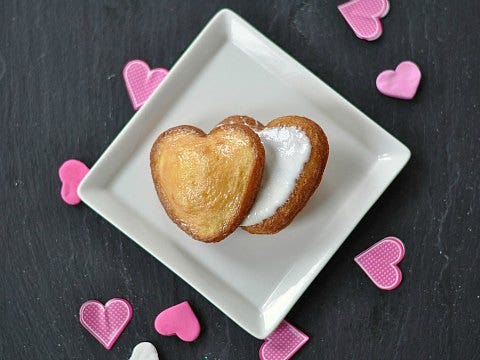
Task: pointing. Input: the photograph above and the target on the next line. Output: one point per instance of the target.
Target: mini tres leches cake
(296, 153)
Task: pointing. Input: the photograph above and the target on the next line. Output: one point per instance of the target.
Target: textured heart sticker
(283, 343)
(401, 83)
(144, 351)
(106, 322)
(364, 16)
(380, 262)
(178, 320)
(141, 81)
(71, 174)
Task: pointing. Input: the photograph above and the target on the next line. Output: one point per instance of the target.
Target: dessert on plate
(296, 153)
(207, 183)
(240, 174)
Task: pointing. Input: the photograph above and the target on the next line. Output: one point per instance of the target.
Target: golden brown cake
(207, 183)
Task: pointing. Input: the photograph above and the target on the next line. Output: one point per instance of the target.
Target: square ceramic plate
(231, 68)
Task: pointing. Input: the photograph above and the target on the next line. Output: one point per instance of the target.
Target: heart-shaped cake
(296, 153)
(207, 183)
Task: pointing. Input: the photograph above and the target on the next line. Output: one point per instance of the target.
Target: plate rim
(90, 191)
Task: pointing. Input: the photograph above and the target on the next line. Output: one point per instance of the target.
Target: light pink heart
(380, 262)
(178, 320)
(106, 322)
(71, 174)
(141, 82)
(364, 16)
(283, 343)
(401, 83)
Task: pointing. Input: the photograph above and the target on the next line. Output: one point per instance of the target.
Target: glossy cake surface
(207, 183)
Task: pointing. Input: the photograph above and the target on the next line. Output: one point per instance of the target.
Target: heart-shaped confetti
(106, 322)
(141, 82)
(401, 83)
(283, 343)
(380, 262)
(364, 16)
(144, 351)
(178, 320)
(71, 174)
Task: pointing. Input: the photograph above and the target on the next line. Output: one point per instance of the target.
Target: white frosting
(287, 149)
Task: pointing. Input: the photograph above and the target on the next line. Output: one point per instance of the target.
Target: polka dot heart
(364, 16)
(106, 322)
(380, 262)
(141, 81)
(283, 343)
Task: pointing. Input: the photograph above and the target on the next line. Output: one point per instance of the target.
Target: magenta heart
(283, 343)
(178, 320)
(141, 81)
(106, 323)
(363, 16)
(380, 262)
(71, 174)
(401, 83)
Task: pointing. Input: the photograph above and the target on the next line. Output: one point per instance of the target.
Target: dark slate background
(62, 95)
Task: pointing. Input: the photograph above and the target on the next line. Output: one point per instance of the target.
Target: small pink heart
(106, 323)
(71, 174)
(283, 343)
(178, 320)
(401, 83)
(141, 81)
(364, 16)
(380, 262)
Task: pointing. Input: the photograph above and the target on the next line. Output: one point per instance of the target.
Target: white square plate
(231, 68)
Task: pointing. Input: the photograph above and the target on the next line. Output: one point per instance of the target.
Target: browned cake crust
(207, 183)
(309, 178)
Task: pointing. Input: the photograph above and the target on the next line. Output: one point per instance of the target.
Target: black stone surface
(62, 95)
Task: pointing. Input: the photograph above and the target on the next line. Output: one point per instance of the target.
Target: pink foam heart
(283, 343)
(106, 322)
(380, 262)
(71, 174)
(364, 16)
(401, 83)
(141, 81)
(178, 320)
